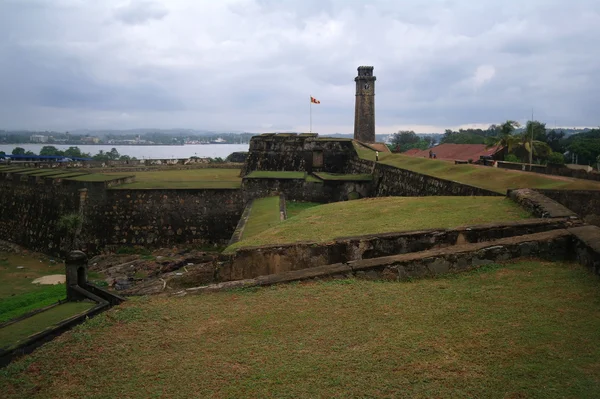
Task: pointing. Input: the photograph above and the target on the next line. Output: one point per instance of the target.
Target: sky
(251, 65)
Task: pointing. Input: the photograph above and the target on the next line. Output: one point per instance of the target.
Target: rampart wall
(303, 152)
(585, 203)
(392, 181)
(31, 207)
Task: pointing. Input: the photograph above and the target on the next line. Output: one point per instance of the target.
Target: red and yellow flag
(314, 100)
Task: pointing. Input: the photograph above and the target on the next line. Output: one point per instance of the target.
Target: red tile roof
(461, 152)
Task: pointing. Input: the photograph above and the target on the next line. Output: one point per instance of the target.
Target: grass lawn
(387, 214)
(522, 330)
(493, 179)
(188, 178)
(293, 208)
(265, 174)
(20, 330)
(338, 177)
(263, 215)
(97, 177)
(17, 293)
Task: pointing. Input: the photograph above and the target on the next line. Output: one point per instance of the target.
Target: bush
(511, 158)
(556, 158)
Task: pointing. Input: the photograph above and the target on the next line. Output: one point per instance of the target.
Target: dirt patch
(51, 279)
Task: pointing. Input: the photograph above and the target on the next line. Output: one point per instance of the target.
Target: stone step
(554, 244)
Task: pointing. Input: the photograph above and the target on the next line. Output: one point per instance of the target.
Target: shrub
(556, 158)
(511, 158)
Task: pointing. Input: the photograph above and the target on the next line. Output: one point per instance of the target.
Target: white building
(38, 138)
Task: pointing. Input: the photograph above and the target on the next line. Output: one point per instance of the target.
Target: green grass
(263, 215)
(523, 330)
(97, 177)
(14, 281)
(19, 331)
(313, 179)
(18, 305)
(263, 174)
(17, 293)
(343, 177)
(388, 214)
(67, 175)
(493, 179)
(205, 178)
(293, 208)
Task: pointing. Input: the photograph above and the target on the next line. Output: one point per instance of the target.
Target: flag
(314, 100)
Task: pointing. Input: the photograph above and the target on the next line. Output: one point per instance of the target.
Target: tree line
(74, 152)
(532, 142)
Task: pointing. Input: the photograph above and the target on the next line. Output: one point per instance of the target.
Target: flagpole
(310, 112)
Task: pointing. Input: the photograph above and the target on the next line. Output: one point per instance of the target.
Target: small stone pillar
(76, 266)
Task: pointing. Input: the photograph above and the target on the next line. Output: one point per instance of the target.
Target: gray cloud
(251, 64)
(140, 12)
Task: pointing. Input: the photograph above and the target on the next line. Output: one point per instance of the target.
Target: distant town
(167, 137)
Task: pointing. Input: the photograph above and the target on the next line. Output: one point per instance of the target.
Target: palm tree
(506, 137)
(534, 147)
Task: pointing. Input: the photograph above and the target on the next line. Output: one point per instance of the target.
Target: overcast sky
(251, 65)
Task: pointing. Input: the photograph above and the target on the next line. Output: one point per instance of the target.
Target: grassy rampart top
(264, 214)
(490, 178)
(205, 178)
(518, 330)
(383, 215)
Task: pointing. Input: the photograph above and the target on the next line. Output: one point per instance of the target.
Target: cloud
(252, 64)
(140, 12)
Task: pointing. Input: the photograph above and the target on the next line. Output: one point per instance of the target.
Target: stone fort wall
(31, 208)
(298, 152)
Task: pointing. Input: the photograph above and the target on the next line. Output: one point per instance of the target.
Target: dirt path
(51, 279)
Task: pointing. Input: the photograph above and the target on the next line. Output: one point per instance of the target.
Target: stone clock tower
(364, 111)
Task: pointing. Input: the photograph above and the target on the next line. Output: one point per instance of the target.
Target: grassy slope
(17, 294)
(263, 215)
(20, 330)
(264, 174)
(293, 208)
(526, 330)
(15, 306)
(387, 214)
(337, 177)
(188, 178)
(481, 176)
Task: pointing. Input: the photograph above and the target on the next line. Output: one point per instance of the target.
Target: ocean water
(145, 151)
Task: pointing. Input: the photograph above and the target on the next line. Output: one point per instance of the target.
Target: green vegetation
(343, 177)
(387, 214)
(313, 179)
(293, 208)
(205, 178)
(13, 333)
(19, 305)
(17, 293)
(262, 174)
(263, 215)
(493, 179)
(522, 330)
(97, 177)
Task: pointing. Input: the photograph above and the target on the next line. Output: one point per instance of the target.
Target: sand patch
(51, 279)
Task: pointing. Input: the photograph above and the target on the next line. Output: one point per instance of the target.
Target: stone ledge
(549, 245)
(539, 204)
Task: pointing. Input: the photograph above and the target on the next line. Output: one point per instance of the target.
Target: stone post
(76, 266)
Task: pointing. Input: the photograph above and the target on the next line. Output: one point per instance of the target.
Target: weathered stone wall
(291, 152)
(161, 218)
(392, 181)
(272, 259)
(29, 213)
(585, 203)
(301, 190)
(30, 208)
